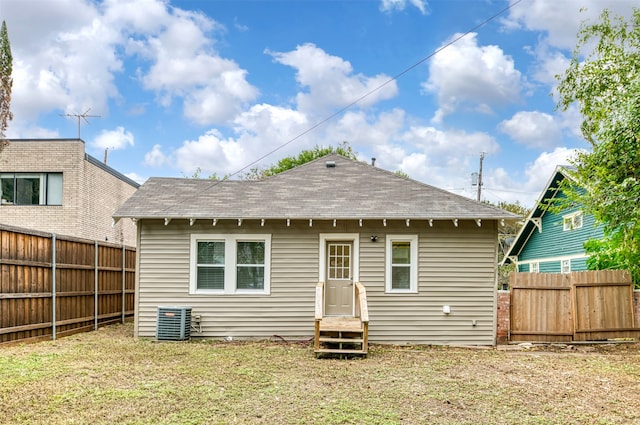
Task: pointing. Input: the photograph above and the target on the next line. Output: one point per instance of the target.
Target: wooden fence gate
(52, 286)
(579, 306)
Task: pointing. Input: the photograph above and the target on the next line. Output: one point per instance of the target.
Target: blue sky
(217, 85)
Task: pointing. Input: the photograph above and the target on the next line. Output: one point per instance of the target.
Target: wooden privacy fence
(53, 286)
(579, 306)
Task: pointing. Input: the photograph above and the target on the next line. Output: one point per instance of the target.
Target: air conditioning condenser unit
(174, 324)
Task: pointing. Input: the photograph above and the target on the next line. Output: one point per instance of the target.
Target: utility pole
(480, 176)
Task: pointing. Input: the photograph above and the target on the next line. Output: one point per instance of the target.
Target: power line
(369, 93)
(374, 90)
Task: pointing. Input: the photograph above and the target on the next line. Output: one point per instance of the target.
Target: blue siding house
(551, 242)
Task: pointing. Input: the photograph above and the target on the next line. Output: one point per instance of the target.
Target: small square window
(572, 221)
(565, 266)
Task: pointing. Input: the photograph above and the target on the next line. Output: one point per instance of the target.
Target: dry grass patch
(108, 377)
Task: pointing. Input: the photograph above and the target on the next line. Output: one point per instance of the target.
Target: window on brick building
(30, 189)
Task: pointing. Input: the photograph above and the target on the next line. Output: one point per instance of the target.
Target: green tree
(603, 78)
(506, 235)
(6, 83)
(198, 175)
(303, 157)
(402, 174)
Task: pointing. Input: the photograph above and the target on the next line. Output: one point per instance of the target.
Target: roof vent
(331, 164)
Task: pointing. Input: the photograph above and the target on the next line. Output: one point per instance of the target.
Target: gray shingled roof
(350, 190)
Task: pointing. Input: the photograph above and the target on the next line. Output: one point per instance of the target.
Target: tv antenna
(84, 116)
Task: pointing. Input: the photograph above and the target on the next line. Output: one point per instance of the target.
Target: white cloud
(361, 129)
(452, 143)
(114, 139)
(136, 178)
(211, 153)
(532, 129)
(571, 120)
(155, 157)
(560, 20)
(68, 52)
(63, 58)
(467, 74)
(444, 159)
(499, 185)
(559, 23)
(539, 171)
(391, 5)
(330, 81)
(185, 64)
(265, 127)
(549, 64)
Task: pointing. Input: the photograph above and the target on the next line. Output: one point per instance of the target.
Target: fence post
(95, 298)
(53, 286)
(124, 281)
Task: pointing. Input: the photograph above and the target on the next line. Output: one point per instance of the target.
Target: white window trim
(413, 274)
(230, 244)
(562, 266)
(351, 237)
(534, 267)
(569, 221)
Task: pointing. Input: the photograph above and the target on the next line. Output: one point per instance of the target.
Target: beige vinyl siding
(287, 311)
(456, 267)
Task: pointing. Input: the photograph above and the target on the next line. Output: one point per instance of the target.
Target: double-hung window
(402, 263)
(230, 264)
(30, 188)
(572, 221)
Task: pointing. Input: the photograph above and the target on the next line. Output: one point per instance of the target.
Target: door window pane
(339, 261)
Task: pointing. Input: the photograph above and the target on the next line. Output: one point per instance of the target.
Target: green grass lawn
(108, 377)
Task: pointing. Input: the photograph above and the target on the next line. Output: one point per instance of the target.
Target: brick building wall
(91, 192)
(502, 322)
(504, 303)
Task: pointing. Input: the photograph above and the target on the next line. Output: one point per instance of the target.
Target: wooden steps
(337, 340)
(341, 351)
(341, 336)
